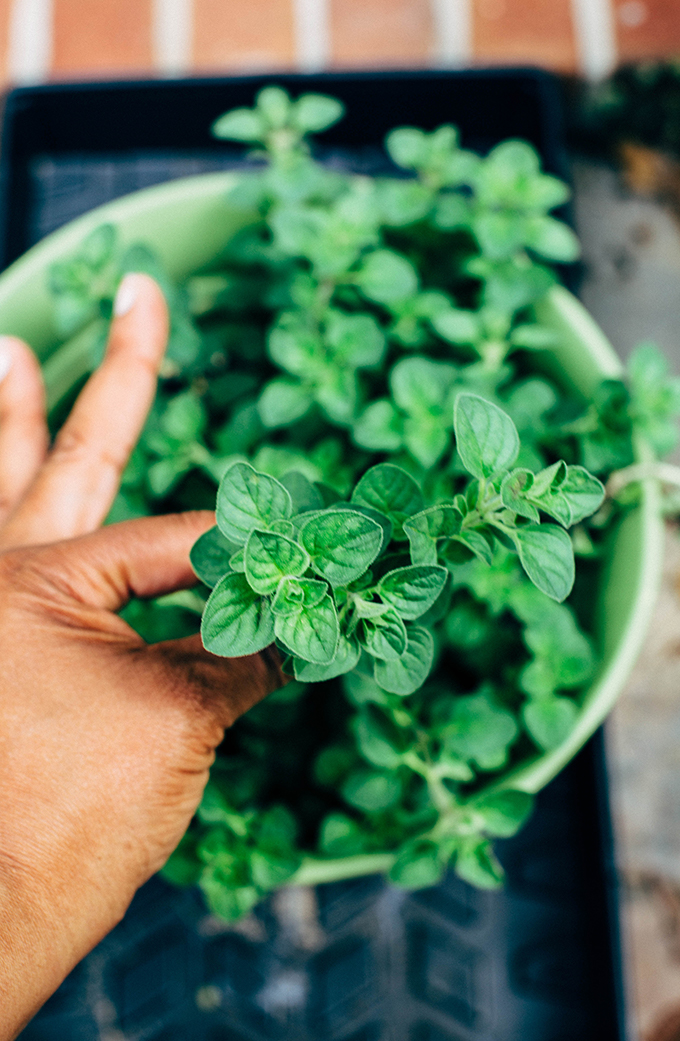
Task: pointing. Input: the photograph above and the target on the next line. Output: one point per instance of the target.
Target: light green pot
(187, 222)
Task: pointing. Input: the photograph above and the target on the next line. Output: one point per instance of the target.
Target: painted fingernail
(5, 356)
(126, 297)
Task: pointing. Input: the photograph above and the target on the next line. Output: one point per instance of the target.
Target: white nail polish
(5, 356)
(126, 297)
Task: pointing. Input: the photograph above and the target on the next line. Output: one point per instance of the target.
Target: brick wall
(51, 39)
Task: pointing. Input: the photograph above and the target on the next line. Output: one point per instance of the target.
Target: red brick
(388, 33)
(5, 10)
(243, 34)
(102, 37)
(647, 28)
(531, 32)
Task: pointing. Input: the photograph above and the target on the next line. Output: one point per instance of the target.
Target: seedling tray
(357, 960)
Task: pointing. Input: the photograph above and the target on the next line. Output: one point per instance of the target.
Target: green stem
(666, 473)
(72, 361)
(313, 871)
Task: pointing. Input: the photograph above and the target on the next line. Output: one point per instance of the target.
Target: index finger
(76, 486)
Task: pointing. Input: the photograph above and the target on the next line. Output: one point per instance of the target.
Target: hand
(105, 742)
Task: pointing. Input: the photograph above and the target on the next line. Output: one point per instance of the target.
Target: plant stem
(313, 872)
(666, 473)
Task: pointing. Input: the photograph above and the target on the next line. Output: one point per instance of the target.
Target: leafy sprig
(333, 584)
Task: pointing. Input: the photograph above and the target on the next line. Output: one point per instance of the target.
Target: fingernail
(5, 356)
(126, 297)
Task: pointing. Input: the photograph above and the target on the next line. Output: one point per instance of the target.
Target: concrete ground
(631, 285)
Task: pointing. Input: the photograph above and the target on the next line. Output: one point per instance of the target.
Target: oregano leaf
(269, 557)
(247, 499)
(311, 633)
(391, 491)
(384, 636)
(236, 621)
(486, 437)
(408, 673)
(210, 556)
(412, 590)
(342, 544)
(547, 556)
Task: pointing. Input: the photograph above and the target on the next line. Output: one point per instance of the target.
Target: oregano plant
(407, 503)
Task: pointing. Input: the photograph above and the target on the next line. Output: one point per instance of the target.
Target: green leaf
(391, 491)
(458, 326)
(241, 124)
(476, 864)
(210, 556)
(383, 636)
(371, 791)
(380, 741)
(386, 277)
(417, 866)
(346, 658)
(424, 529)
(283, 402)
(342, 544)
(478, 729)
(583, 492)
(379, 427)
(183, 418)
(547, 556)
(403, 202)
(275, 105)
(426, 438)
(304, 495)
(356, 339)
(269, 558)
(421, 387)
(236, 621)
(552, 239)
(223, 898)
(409, 672)
(271, 869)
(550, 721)
(366, 511)
(407, 147)
(295, 593)
(247, 499)
(412, 590)
(311, 633)
(315, 112)
(341, 836)
(486, 437)
(503, 812)
(514, 490)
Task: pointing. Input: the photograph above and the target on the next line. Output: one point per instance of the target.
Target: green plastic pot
(187, 222)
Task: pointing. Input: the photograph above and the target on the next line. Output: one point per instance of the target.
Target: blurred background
(619, 63)
(42, 39)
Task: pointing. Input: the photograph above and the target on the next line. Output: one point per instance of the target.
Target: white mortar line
(452, 24)
(29, 45)
(311, 21)
(172, 30)
(595, 37)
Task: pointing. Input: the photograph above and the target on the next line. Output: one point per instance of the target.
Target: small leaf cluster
(332, 584)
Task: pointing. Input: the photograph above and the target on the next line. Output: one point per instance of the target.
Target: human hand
(105, 741)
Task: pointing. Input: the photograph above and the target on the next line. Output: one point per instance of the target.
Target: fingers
(139, 558)
(23, 428)
(74, 490)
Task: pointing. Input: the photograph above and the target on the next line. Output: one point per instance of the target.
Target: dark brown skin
(105, 742)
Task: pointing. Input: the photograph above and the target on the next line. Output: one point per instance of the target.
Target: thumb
(225, 687)
(138, 558)
(150, 557)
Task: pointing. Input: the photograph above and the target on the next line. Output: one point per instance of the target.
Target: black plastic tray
(359, 960)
